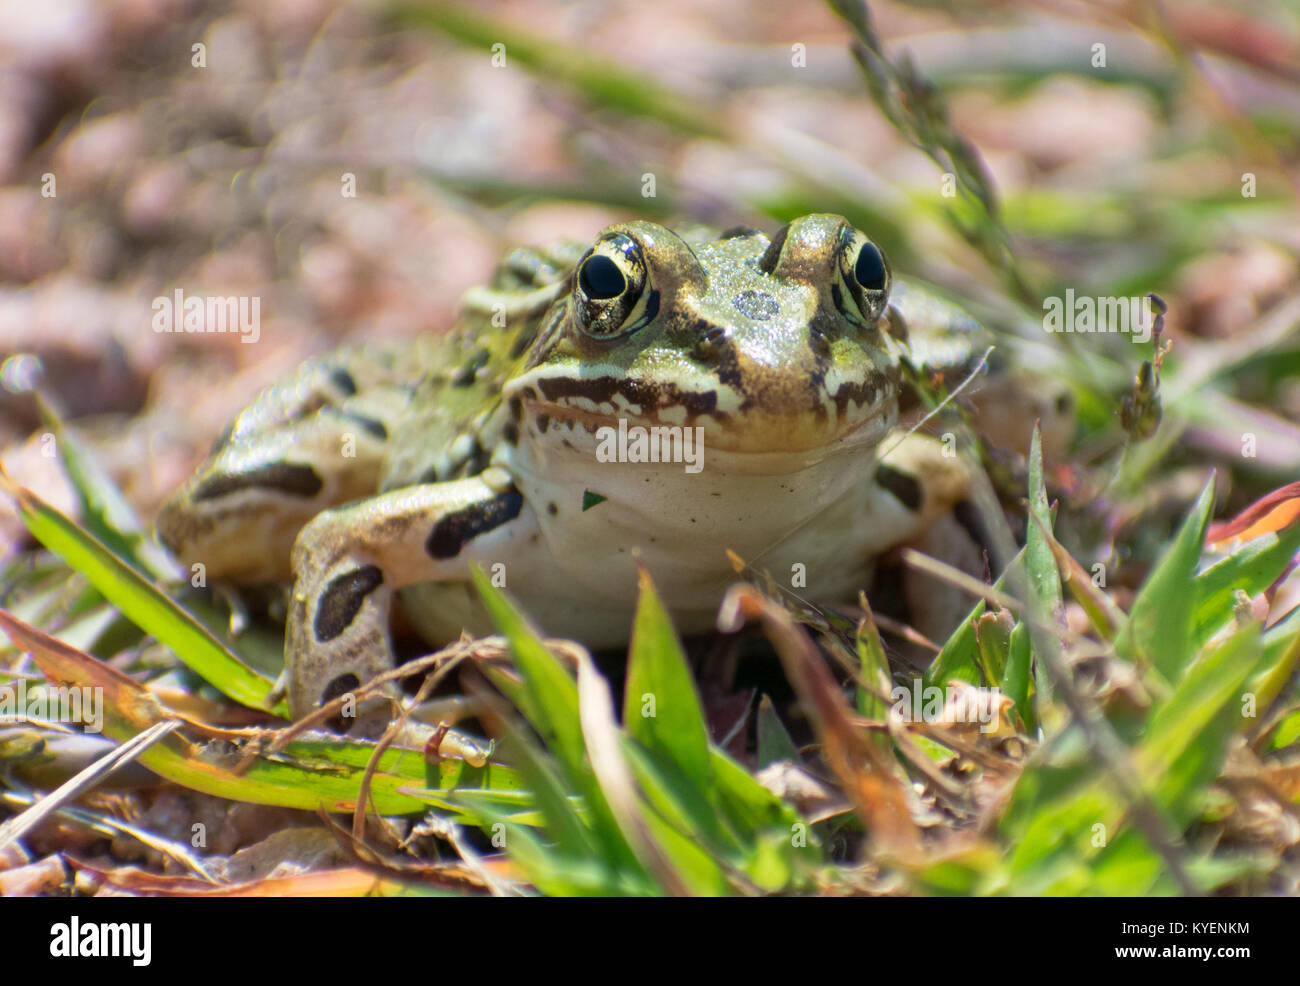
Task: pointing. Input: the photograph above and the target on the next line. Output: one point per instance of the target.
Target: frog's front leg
(348, 562)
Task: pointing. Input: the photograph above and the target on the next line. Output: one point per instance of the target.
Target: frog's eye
(865, 277)
(600, 279)
(608, 289)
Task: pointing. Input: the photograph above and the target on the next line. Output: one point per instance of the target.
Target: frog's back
(359, 420)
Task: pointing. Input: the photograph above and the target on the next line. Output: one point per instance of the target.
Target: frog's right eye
(609, 289)
(863, 277)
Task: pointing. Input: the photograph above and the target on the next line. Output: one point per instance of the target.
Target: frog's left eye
(609, 287)
(864, 275)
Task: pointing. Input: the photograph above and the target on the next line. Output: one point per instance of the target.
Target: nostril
(758, 305)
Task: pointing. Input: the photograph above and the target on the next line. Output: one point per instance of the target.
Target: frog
(771, 369)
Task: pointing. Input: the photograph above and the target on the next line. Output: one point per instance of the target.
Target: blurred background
(1003, 151)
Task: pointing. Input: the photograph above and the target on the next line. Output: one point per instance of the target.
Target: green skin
(373, 470)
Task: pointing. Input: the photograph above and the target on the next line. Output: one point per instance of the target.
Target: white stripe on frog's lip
(602, 388)
(859, 412)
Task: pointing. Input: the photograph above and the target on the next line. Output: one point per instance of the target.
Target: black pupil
(870, 268)
(600, 278)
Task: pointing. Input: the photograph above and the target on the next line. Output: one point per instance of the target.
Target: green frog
(651, 396)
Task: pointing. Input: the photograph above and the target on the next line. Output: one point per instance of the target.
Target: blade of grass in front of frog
(672, 858)
(1018, 681)
(1287, 732)
(742, 834)
(661, 708)
(80, 615)
(1057, 807)
(54, 593)
(1106, 618)
(874, 683)
(1252, 568)
(750, 808)
(691, 854)
(957, 657)
(104, 509)
(1040, 562)
(992, 643)
(550, 693)
(774, 742)
(550, 702)
(1185, 742)
(1282, 652)
(142, 603)
(550, 871)
(306, 774)
(1160, 628)
(571, 833)
(1281, 658)
(868, 775)
(484, 806)
(687, 806)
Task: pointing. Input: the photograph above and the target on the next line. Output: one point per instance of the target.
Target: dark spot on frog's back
(341, 685)
(468, 373)
(343, 381)
(454, 531)
(280, 477)
(906, 489)
(342, 599)
(365, 422)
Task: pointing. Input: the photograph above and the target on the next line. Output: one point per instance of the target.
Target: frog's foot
(348, 563)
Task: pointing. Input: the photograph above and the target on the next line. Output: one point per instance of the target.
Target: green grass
(1108, 800)
(1135, 740)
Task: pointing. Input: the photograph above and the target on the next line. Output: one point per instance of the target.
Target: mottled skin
(400, 469)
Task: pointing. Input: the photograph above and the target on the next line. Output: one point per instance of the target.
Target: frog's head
(769, 345)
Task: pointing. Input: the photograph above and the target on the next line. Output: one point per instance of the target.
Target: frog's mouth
(840, 412)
